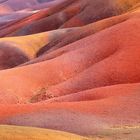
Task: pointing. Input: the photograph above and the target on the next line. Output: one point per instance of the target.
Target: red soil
(113, 60)
(93, 116)
(80, 74)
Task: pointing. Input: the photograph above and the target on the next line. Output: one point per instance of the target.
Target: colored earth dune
(69, 69)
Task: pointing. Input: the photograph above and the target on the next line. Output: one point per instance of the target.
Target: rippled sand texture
(69, 69)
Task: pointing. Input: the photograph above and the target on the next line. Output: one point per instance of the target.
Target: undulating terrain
(69, 69)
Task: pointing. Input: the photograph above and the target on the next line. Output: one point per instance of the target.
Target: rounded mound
(26, 133)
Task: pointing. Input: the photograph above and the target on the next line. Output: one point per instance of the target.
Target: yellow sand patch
(29, 133)
(29, 44)
(126, 4)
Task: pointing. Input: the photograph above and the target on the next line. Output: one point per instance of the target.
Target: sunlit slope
(26, 133)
